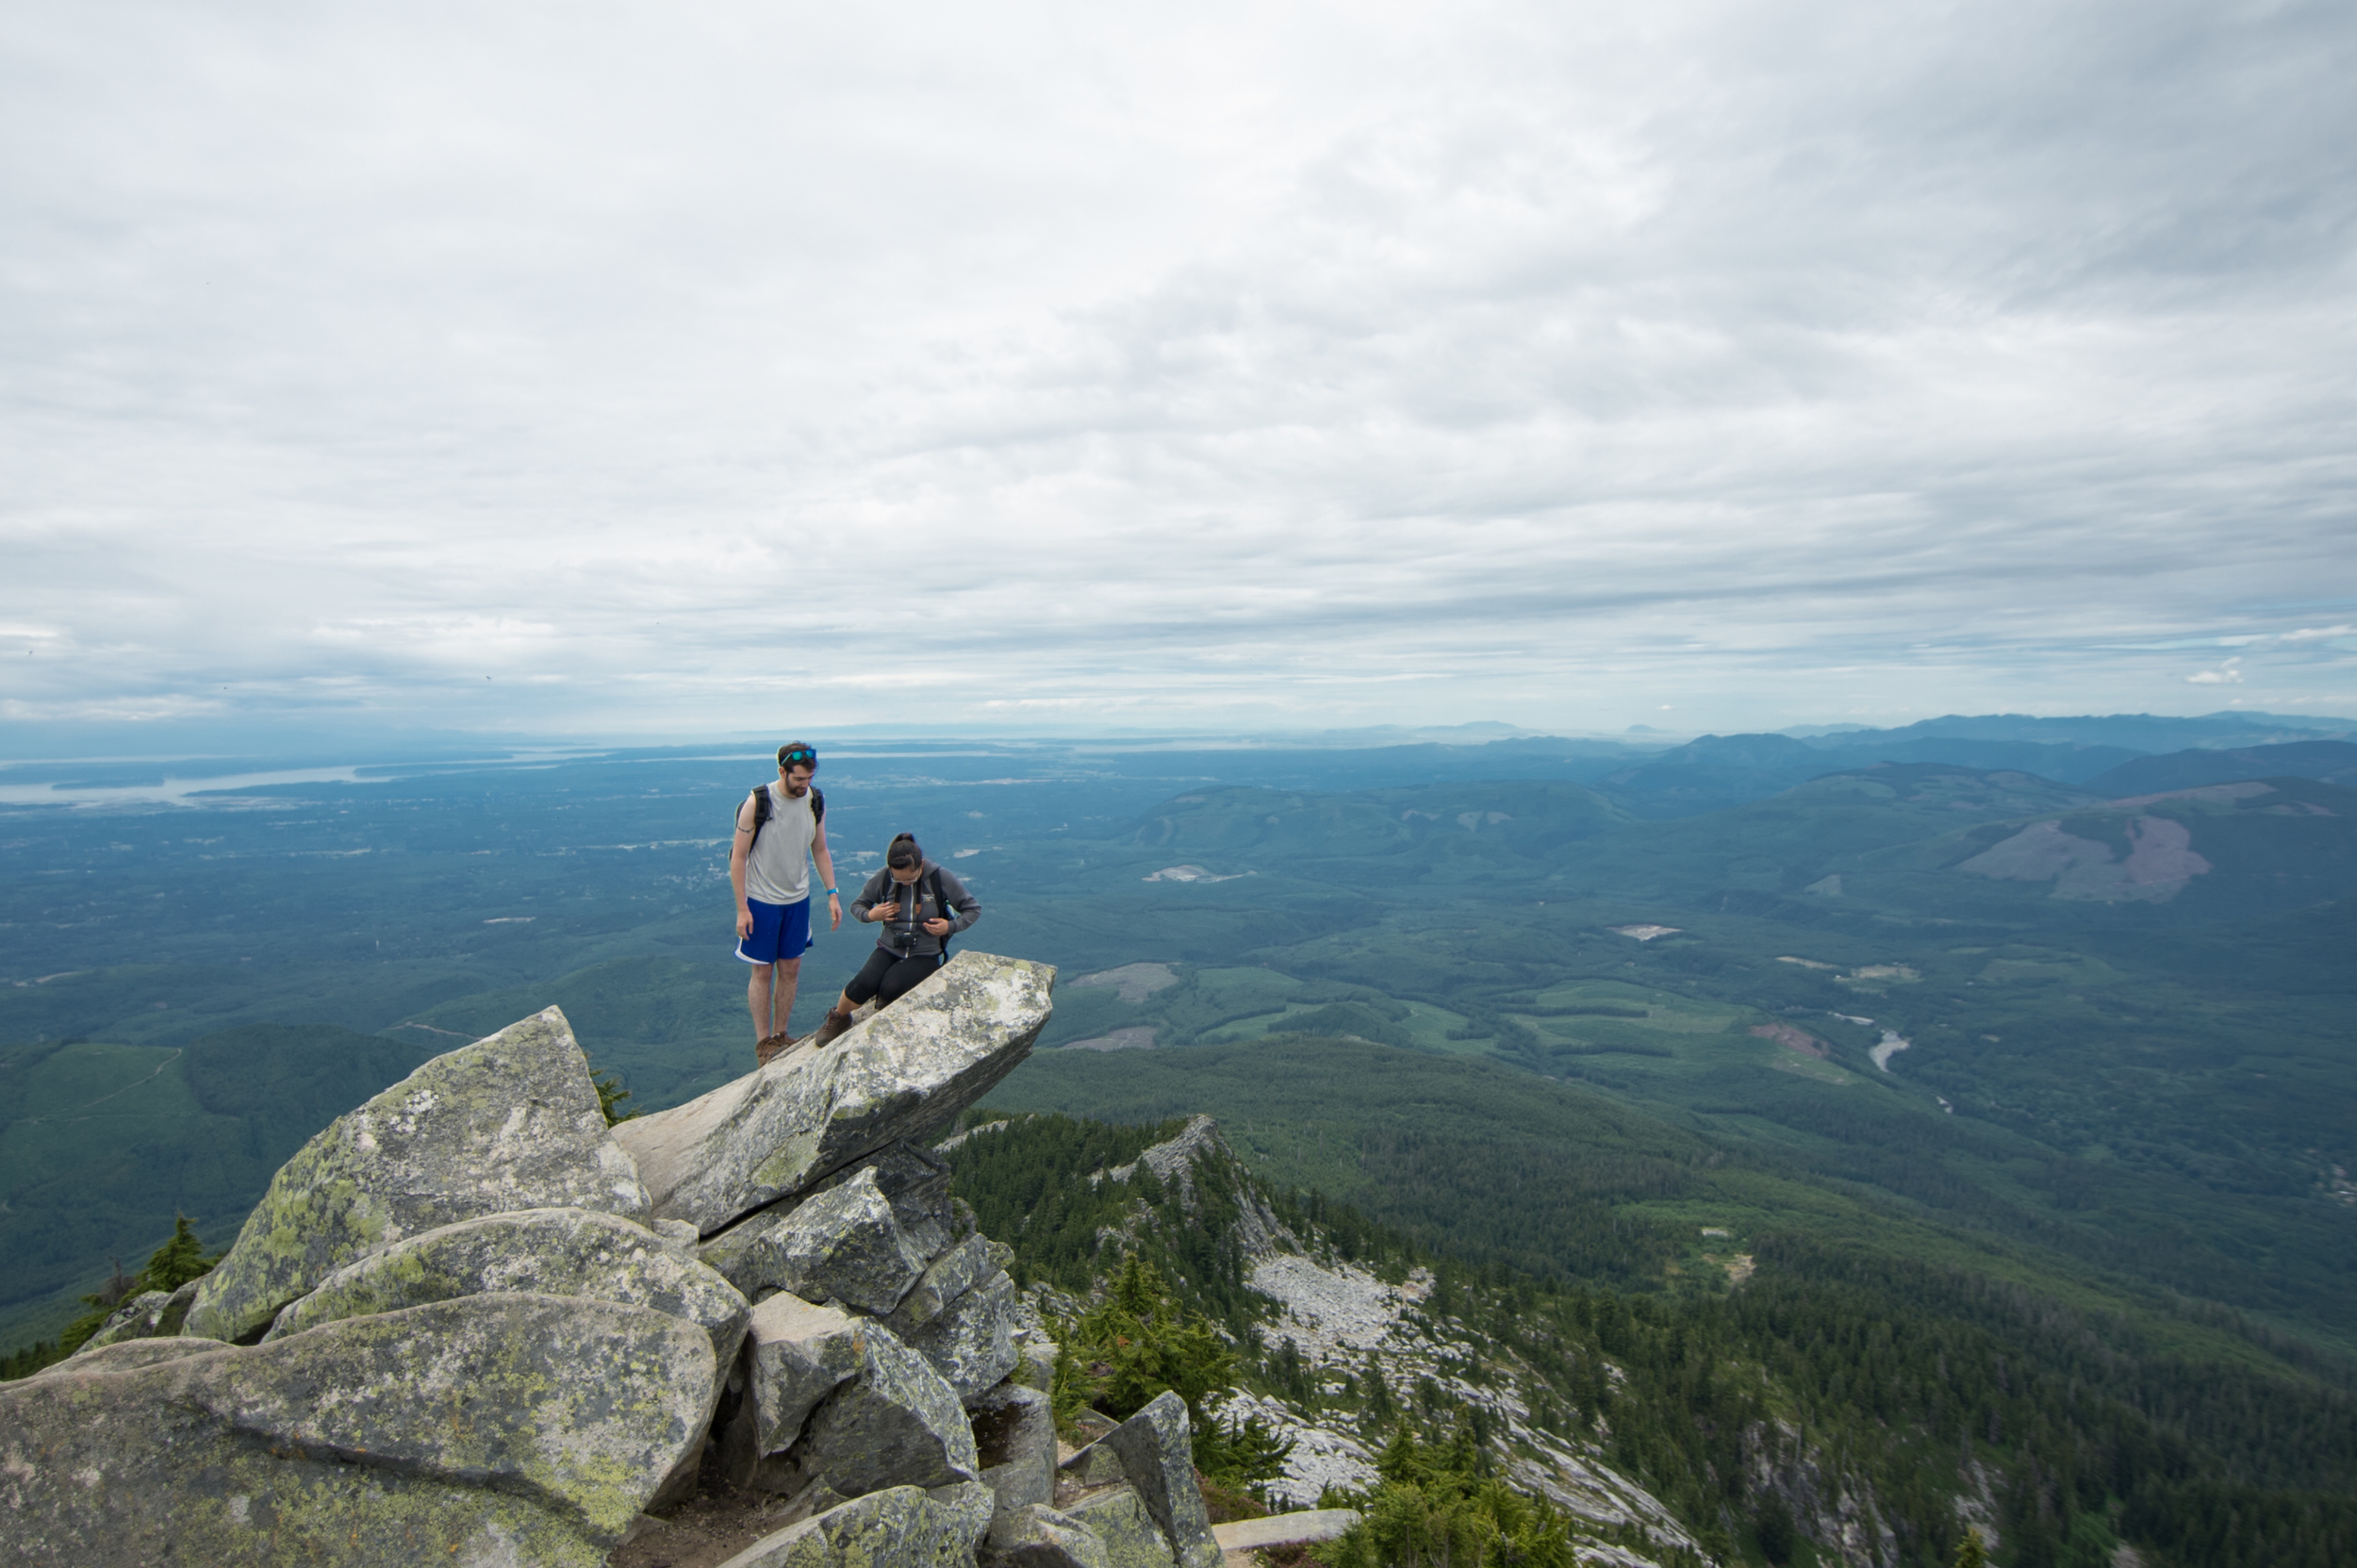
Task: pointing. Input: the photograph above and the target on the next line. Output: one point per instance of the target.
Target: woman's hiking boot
(831, 1028)
(772, 1047)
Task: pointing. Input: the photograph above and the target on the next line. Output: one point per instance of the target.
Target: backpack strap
(761, 813)
(818, 804)
(941, 902)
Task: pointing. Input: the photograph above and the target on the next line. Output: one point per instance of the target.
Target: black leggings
(890, 976)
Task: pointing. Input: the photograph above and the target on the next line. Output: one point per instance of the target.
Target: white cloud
(2226, 674)
(1281, 363)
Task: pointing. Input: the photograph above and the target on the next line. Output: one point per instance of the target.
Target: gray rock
(1118, 1519)
(833, 1397)
(971, 1342)
(1155, 1452)
(125, 1354)
(795, 1354)
(896, 1423)
(510, 1122)
(1095, 1465)
(1037, 1536)
(903, 1527)
(137, 1318)
(1285, 1529)
(1015, 1438)
(491, 1429)
(777, 1131)
(950, 1275)
(917, 1183)
(845, 1243)
(546, 1251)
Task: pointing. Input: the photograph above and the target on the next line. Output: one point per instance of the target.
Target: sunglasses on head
(797, 758)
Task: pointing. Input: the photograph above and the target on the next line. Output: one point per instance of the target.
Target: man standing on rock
(780, 829)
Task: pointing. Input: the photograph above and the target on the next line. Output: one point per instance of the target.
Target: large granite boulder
(546, 1251)
(947, 1277)
(915, 1182)
(971, 1340)
(488, 1430)
(510, 1122)
(1036, 1536)
(846, 1244)
(779, 1132)
(831, 1396)
(1119, 1519)
(902, 1527)
(1154, 1452)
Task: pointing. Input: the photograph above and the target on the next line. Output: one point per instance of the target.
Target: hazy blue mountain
(2334, 761)
(2136, 732)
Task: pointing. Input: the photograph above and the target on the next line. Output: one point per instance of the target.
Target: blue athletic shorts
(781, 931)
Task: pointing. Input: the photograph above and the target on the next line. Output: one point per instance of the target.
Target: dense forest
(1919, 1383)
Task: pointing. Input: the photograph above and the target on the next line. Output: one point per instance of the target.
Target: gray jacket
(905, 933)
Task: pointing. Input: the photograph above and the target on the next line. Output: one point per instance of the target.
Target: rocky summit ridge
(469, 1323)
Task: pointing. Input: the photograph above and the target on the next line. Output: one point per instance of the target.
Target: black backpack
(761, 810)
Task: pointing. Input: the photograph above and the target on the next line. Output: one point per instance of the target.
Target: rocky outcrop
(501, 1428)
(845, 1243)
(906, 1526)
(780, 1132)
(546, 1251)
(1153, 1452)
(461, 1327)
(1039, 1537)
(830, 1396)
(510, 1122)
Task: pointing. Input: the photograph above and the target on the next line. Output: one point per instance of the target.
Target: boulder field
(468, 1322)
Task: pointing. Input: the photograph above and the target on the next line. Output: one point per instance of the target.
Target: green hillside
(1752, 1386)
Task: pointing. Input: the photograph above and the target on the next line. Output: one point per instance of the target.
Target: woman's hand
(883, 912)
(936, 927)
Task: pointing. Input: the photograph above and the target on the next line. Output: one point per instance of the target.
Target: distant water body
(166, 786)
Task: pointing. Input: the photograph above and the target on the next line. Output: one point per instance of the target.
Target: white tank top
(778, 871)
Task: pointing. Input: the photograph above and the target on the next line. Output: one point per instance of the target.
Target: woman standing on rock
(929, 906)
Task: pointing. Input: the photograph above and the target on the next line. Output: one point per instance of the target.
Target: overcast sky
(663, 369)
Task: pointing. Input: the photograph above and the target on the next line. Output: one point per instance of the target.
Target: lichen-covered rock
(1015, 1438)
(894, 1423)
(971, 1340)
(125, 1354)
(902, 1527)
(491, 1429)
(846, 1244)
(546, 1251)
(1155, 1451)
(779, 1130)
(949, 1276)
(795, 1354)
(915, 1182)
(137, 1318)
(1037, 1536)
(509, 1122)
(831, 1396)
(1119, 1518)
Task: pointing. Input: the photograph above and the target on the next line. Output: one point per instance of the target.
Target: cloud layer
(621, 368)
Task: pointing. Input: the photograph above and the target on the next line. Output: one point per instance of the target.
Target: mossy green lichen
(508, 1428)
(510, 1122)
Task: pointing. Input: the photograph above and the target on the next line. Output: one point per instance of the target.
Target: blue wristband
(831, 893)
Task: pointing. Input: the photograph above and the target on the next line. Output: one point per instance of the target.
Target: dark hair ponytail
(902, 858)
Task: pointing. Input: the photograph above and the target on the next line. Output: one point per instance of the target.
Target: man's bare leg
(789, 981)
(757, 997)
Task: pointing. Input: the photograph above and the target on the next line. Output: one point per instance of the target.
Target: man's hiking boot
(829, 1028)
(771, 1049)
